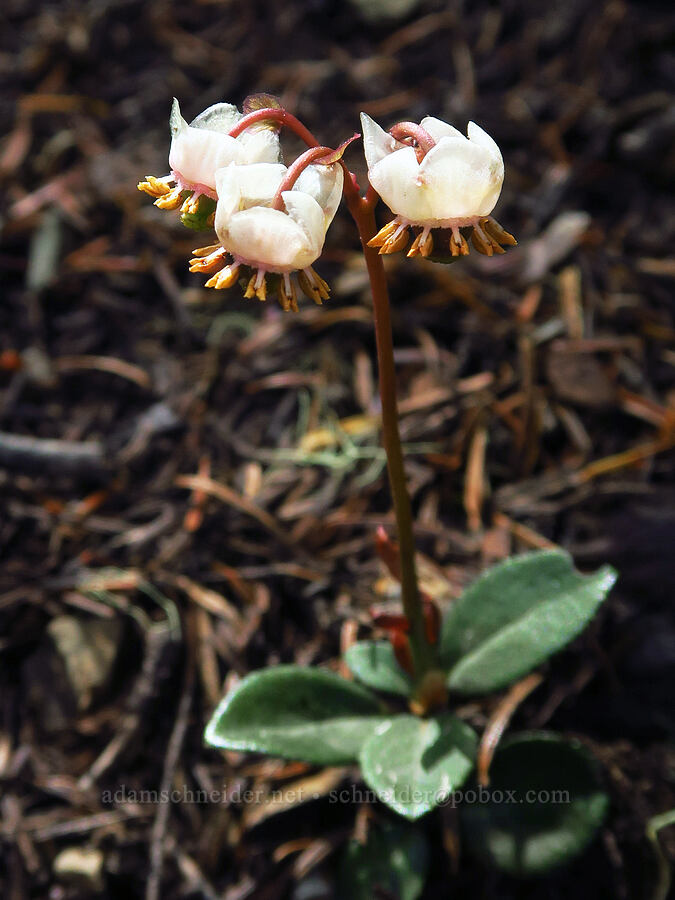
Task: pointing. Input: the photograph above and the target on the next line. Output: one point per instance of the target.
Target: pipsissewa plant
(270, 222)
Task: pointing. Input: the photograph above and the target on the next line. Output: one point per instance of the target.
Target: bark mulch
(191, 482)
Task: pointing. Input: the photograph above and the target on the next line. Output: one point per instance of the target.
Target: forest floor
(212, 505)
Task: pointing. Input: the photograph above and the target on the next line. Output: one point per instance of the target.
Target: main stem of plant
(362, 210)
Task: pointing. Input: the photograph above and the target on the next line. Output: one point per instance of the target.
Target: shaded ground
(537, 392)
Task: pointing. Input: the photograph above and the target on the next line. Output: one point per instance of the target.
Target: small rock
(82, 866)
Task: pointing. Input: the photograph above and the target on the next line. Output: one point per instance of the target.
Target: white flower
(199, 149)
(444, 180)
(268, 240)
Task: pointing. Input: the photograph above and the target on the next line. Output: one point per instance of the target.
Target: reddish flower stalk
(324, 156)
(275, 114)
(362, 211)
(285, 119)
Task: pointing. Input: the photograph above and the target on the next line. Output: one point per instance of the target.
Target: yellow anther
(261, 290)
(190, 205)
(423, 244)
(210, 263)
(309, 289)
(384, 234)
(172, 200)
(398, 241)
(250, 287)
(481, 241)
(224, 279)
(206, 251)
(498, 234)
(155, 187)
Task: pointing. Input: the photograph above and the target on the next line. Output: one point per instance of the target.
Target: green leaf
(297, 713)
(413, 764)
(374, 663)
(392, 863)
(515, 616)
(556, 821)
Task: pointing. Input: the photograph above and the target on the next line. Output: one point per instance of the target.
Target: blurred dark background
(538, 406)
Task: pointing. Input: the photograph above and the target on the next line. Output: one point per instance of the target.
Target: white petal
(309, 216)
(439, 129)
(496, 177)
(461, 179)
(200, 149)
(177, 123)
(221, 117)
(229, 198)
(259, 146)
(397, 180)
(268, 238)
(483, 139)
(324, 183)
(259, 183)
(240, 187)
(376, 142)
(196, 154)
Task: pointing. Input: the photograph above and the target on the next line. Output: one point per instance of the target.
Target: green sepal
(199, 221)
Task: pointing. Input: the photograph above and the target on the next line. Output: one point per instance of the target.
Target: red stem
(282, 116)
(362, 211)
(295, 170)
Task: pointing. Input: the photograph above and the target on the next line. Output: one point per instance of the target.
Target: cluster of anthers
(271, 220)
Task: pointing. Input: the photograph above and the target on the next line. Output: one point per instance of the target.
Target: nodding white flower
(270, 231)
(199, 149)
(433, 177)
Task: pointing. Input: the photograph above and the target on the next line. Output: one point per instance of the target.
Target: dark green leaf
(515, 616)
(297, 713)
(392, 863)
(413, 764)
(552, 823)
(374, 663)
